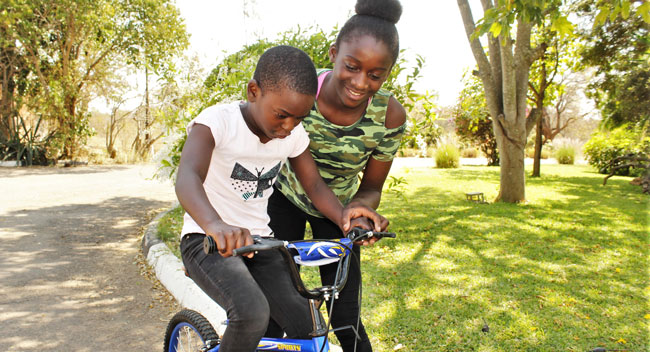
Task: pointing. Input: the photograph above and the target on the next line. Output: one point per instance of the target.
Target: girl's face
(361, 65)
(276, 113)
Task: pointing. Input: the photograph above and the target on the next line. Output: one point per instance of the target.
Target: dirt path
(71, 274)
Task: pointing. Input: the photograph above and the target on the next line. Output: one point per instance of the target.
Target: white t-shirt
(242, 169)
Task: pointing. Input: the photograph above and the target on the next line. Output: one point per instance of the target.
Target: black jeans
(250, 290)
(288, 223)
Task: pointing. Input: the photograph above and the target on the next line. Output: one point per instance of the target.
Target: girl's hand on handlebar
(366, 224)
(357, 210)
(229, 237)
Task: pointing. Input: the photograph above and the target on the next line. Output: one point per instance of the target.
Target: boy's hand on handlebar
(229, 237)
(366, 224)
(357, 210)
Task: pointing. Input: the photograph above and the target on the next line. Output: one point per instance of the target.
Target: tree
(543, 73)
(504, 74)
(71, 46)
(566, 109)
(549, 77)
(116, 122)
(472, 119)
(617, 47)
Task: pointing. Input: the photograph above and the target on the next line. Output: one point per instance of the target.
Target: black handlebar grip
(245, 249)
(209, 245)
(386, 234)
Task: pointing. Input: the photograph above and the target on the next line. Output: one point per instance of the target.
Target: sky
(430, 28)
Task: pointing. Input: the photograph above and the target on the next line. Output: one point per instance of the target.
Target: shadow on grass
(567, 271)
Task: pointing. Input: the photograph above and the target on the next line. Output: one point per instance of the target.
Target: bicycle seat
(319, 252)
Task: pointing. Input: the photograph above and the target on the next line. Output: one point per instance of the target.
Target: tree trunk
(8, 72)
(538, 149)
(505, 81)
(513, 179)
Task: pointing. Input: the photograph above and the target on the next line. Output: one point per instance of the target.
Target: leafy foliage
(472, 118)
(63, 52)
(227, 82)
(607, 145)
(619, 49)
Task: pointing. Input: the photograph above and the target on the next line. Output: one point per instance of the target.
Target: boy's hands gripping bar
(359, 234)
(260, 244)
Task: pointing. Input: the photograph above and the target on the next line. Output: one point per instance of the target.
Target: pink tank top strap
(321, 79)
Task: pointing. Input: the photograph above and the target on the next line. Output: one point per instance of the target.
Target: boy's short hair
(284, 66)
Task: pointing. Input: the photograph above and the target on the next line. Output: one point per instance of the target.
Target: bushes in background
(607, 145)
(565, 154)
(447, 156)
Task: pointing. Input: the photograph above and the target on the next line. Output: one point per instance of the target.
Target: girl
(354, 127)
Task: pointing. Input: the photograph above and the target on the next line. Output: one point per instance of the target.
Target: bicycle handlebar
(357, 234)
(264, 244)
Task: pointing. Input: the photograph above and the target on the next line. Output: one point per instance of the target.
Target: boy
(230, 160)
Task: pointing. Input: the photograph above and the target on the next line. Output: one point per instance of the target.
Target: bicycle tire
(187, 331)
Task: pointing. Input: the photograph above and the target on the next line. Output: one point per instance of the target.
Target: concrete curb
(169, 270)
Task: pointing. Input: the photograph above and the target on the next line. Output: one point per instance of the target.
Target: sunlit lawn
(568, 271)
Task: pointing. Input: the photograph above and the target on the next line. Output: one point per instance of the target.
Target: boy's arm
(325, 200)
(192, 170)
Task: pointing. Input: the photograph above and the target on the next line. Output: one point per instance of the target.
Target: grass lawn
(567, 271)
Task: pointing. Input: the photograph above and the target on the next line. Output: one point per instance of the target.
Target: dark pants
(288, 223)
(250, 290)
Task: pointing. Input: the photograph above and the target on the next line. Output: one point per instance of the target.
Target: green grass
(567, 271)
(169, 229)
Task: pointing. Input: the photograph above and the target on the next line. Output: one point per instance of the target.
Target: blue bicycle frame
(274, 344)
(310, 253)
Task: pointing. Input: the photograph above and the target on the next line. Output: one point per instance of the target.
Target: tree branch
(485, 70)
(475, 45)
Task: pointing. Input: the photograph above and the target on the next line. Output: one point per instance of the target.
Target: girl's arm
(325, 200)
(192, 170)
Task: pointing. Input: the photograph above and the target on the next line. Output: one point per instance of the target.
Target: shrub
(546, 153)
(447, 156)
(469, 153)
(604, 146)
(565, 155)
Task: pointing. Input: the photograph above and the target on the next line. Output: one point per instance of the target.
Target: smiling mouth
(354, 94)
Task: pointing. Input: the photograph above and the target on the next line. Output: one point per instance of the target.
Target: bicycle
(188, 330)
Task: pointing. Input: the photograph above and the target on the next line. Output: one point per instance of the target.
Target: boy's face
(275, 113)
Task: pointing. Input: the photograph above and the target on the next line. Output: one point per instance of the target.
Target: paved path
(71, 272)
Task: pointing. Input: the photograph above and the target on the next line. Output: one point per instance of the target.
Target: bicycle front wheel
(189, 331)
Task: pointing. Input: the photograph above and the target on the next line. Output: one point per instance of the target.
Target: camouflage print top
(341, 152)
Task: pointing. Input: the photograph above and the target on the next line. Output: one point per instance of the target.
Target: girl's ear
(253, 91)
(332, 53)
